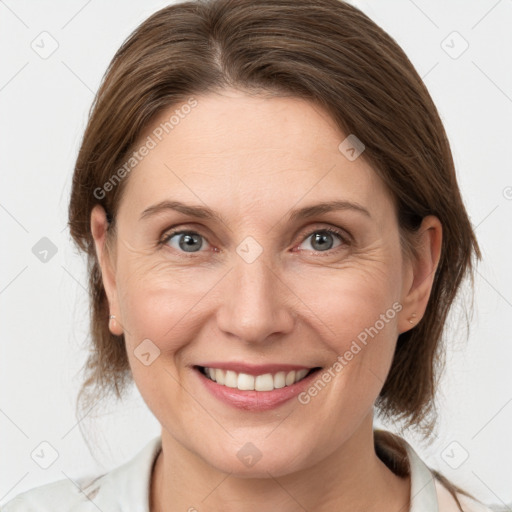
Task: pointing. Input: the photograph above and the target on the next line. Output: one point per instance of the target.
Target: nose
(256, 303)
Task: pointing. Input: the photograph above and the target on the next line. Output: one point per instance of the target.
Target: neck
(350, 478)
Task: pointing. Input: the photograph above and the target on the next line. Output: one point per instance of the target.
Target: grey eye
(322, 240)
(188, 241)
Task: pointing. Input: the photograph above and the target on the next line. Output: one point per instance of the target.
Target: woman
(275, 233)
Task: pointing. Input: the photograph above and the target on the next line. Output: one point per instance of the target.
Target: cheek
(160, 308)
(356, 314)
(356, 311)
(161, 303)
(346, 303)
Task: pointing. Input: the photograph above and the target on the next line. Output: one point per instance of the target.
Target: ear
(420, 272)
(99, 227)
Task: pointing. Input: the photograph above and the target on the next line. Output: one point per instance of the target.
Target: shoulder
(124, 488)
(447, 502)
(429, 490)
(62, 495)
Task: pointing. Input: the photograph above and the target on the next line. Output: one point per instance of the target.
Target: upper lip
(254, 369)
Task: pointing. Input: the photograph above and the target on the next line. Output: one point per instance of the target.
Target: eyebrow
(203, 212)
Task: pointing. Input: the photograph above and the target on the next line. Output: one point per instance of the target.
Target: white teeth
(219, 376)
(265, 382)
(245, 382)
(280, 380)
(231, 379)
(290, 378)
(301, 374)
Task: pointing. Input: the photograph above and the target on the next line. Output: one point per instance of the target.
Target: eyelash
(342, 236)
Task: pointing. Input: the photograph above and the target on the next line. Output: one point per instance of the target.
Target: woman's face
(260, 281)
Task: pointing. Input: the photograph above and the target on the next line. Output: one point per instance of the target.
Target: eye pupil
(321, 238)
(190, 242)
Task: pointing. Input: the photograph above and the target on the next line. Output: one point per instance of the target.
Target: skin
(252, 159)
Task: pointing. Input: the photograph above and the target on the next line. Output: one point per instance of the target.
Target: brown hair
(325, 51)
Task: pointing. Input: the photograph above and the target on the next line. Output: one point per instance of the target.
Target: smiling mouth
(264, 382)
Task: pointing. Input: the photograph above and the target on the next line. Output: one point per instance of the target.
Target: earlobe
(99, 227)
(423, 269)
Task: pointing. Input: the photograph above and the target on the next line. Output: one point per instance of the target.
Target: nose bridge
(254, 306)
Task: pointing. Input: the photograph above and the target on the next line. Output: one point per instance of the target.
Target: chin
(260, 458)
(265, 467)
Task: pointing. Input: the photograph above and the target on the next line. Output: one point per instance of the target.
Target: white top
(126, 489)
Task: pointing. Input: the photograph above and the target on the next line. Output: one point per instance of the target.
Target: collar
(126, 488)
(423, 485)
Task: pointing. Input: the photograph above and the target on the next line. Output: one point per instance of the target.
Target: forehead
(257, 152)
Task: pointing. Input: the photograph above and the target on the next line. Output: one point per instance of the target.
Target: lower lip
(255, 400)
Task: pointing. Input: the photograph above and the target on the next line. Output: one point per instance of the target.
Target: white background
(43, 306)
